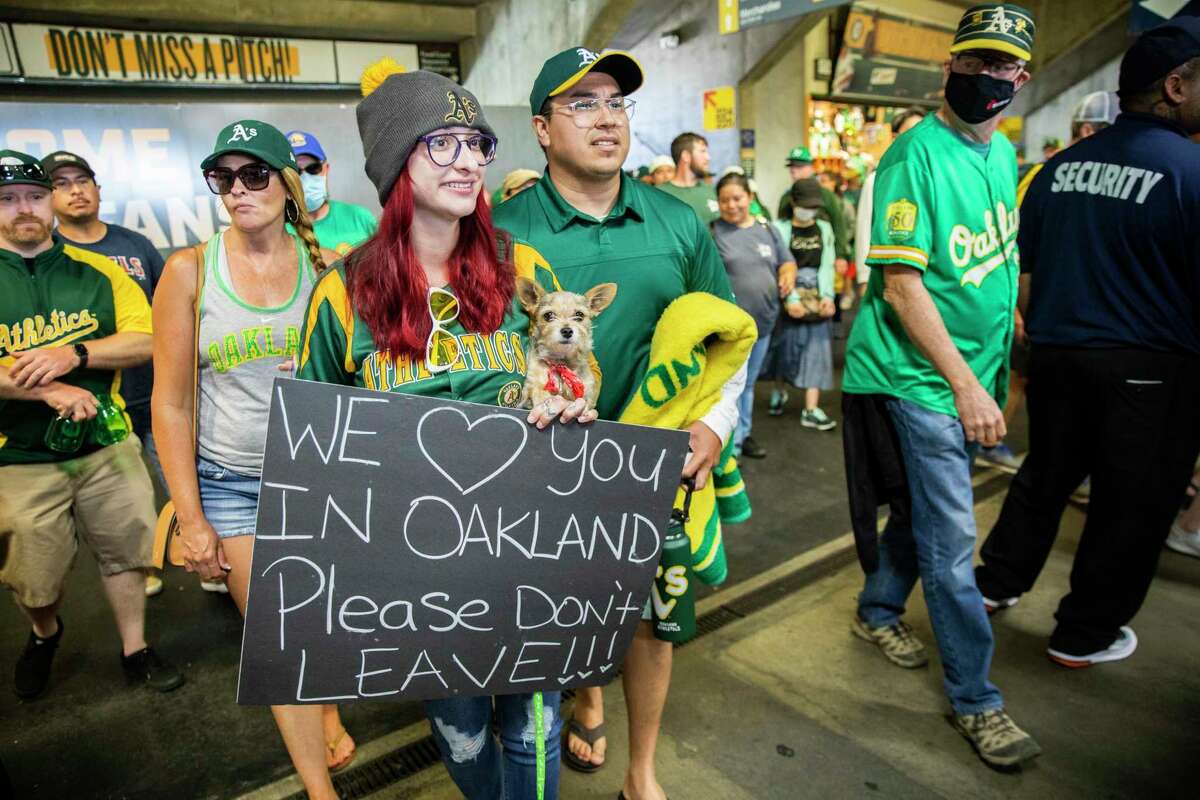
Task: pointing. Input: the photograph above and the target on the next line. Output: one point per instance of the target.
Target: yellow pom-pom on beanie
(374, 75)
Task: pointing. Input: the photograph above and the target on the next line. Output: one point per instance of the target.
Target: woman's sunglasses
(441, 348)
(254, 177)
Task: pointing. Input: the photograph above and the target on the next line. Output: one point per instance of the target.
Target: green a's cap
(564, 70)
(996, 26)
(63, 158)
(1052, 141)
(18, 167)
(799, 155)
(253, 138)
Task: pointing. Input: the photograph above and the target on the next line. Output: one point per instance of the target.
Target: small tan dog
(560, 341)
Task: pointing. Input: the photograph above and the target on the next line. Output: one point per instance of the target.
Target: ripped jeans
(462, 728)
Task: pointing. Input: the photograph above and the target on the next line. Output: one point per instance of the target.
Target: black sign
(412, 548)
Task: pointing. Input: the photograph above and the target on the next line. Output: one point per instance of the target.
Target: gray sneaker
(996, 738)
(817, 420)
(898, 643)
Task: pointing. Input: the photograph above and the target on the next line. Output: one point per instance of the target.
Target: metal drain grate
(376, 775)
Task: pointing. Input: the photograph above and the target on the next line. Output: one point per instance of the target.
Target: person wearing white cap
(662, 169)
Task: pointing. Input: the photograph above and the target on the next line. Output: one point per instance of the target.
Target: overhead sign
(720, 108)
(733, 15)
(410, 548)
(90, 55)
(891, 58)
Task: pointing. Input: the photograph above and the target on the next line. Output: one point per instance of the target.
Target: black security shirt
(1110, 230)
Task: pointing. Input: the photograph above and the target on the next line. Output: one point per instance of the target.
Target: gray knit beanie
(398, 108)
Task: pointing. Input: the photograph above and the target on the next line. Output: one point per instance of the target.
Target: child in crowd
(801, 353)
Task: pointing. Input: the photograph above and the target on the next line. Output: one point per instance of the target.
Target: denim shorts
(229, 499)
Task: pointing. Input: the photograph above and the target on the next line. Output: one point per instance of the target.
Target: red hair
(388, 288)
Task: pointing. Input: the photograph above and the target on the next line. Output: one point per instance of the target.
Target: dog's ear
(530, 293)
(600, 296)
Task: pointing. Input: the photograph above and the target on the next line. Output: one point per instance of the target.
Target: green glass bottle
(109, 426)
(65, 435)
(674, 599)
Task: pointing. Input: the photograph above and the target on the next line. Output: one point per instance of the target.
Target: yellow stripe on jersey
(129, 301)
(527, 261)
(331, 289)
(897, 252)
(1023, 187)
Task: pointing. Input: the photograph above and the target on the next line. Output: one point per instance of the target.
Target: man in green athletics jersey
(932, 342)
(594, 224)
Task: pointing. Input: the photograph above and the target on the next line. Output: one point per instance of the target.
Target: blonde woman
(257, 278)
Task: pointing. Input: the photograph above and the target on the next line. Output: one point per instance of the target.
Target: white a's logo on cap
(1000, 22)
(242, 133)
(586, 56)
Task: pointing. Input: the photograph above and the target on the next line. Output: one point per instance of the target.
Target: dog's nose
(566, 333)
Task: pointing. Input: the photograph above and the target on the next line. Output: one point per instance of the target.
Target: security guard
(1111, 271)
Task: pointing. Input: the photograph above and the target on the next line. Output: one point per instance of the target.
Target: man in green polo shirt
(595, 224)
(690, 152)
(933, 338)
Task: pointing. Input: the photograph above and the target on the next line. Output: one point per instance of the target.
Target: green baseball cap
(564, 70)
(253, 138)
(996, 26)
(18, 167)
(799, 155)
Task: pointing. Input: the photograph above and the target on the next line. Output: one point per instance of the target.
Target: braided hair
(303, 222)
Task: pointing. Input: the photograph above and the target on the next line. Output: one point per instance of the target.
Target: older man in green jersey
(595, 224)
(932, 343)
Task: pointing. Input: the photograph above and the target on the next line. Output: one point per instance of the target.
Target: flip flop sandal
(589, 735)
(333, 746)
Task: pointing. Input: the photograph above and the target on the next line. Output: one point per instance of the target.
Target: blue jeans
(938, 546)
(462, 728)
(758, 354)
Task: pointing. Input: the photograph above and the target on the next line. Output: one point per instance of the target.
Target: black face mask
(978, 98)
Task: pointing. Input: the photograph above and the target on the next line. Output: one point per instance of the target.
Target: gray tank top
(241, 348)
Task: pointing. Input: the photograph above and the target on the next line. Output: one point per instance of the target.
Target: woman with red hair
(428, 306)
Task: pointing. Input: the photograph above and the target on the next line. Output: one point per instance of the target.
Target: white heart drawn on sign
(471, 426)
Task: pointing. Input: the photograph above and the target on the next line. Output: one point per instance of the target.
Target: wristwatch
(82, 352)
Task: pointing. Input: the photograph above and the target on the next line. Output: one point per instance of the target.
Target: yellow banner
(720, 109)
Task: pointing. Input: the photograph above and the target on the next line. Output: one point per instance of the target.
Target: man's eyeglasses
(254, 177)
(585, 113)
(444, 148)
(441, 348)
(975, 62)
(32, 172)
(314, 168)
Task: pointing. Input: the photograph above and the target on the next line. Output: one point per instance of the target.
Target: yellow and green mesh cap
(566, 69)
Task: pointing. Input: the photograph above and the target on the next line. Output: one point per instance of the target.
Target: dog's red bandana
(564, 374)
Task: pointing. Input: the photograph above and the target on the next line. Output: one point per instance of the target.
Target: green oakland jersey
(701, 197)
(944, 207)
(650, 244)
(337, 347)
(62, 296)
(345, 227)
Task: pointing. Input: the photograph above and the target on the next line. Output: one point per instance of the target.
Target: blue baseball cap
(305, 144)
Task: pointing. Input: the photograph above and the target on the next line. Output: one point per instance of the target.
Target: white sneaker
(217, 587)
(154, 585)
(1186, 542)
(1123, 647)
(992, 606)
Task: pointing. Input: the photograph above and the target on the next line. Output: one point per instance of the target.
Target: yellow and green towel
(700, 342)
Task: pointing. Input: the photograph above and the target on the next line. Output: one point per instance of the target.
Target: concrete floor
(821, 714)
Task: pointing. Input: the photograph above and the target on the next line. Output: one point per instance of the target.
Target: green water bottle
(65, 435)
(674, 599)
(109, 426)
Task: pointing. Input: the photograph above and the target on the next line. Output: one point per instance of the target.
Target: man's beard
(700, 173)
(80, 219)
(20, 233)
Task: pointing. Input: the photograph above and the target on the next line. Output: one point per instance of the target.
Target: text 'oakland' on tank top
(241, 348)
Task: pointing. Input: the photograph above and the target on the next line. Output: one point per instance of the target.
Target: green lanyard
(539, 728)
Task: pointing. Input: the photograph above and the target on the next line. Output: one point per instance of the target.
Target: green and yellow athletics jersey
(651, 245)
(62, 296)
(947, 208)
(337, 347)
